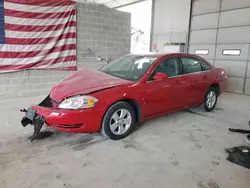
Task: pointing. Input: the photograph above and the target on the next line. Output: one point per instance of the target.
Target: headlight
(78, 102)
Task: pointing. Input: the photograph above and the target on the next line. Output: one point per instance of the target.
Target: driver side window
(170, 66)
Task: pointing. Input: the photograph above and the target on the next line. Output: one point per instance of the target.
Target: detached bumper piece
(239, 155)
(31, 117)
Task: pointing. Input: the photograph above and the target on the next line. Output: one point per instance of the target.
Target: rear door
(196, 74)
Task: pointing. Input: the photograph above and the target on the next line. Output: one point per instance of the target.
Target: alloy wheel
(211, 99)
(120, 122)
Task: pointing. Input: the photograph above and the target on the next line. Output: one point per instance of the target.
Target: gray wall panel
(235, 85)
(242, 56)
(238, 17)
(207, 21)
(209, 60)
(233, 68)
(170, 15)
(203, 37)
(232, 4)
(247, 88)
(218, 25)
(205, 6)
(234, 35)
(210, 48)
(248, 71)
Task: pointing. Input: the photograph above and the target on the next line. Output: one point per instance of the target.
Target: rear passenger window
(205, 67)
(191, 65)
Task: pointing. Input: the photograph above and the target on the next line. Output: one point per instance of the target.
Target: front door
(165, 95)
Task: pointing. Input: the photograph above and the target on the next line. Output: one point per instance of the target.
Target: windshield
(129, 67)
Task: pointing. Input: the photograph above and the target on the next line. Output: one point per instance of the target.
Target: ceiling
(112, 3)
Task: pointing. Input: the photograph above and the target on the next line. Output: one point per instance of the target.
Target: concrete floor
(183, 149)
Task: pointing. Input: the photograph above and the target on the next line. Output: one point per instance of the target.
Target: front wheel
(118, 121)
(210, 99)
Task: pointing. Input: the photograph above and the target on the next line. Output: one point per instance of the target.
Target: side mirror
(160, 76)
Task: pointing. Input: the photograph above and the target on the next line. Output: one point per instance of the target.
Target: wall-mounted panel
(210, 48)
(235, 85)
(207, 21)
(233, 68)
(234, 35)
(233, 4)
(170, 23)
(205, 6)
(239, 17)
(243, 48)
(203, 37)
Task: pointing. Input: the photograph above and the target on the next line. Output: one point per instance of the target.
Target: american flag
(37, 34)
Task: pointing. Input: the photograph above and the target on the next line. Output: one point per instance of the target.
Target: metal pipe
(152, 25)
(139, 1)
(189, 24)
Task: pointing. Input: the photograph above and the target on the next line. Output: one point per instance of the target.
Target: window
(231, 52)
(170, 66)
(190, 65)
(205, 66)
(201, 52)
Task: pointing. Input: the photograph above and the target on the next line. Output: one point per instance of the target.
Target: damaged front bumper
(71, 121)
(34, 118)
(31, 117)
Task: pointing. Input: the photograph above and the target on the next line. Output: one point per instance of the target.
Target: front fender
(113, 95)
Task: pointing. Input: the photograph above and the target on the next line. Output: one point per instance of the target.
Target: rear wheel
(210, 99)
(118, 121)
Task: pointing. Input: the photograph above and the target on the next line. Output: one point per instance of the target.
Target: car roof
(159, 54)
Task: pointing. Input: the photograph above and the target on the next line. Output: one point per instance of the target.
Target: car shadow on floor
(77, 141)
(175, 115)
(53, 135)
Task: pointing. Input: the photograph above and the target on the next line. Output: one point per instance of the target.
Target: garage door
(220, 32)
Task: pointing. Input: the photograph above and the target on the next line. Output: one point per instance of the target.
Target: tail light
(223, 74)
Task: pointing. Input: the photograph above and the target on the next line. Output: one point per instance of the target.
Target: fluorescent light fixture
(201, 52)
(231, 52)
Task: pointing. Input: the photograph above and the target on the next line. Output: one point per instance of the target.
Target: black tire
(106, 131)
(215, 91)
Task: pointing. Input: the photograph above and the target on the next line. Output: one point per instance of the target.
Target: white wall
(142, 43)
(171, 21)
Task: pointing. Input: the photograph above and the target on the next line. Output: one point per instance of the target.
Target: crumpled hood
(84, 81)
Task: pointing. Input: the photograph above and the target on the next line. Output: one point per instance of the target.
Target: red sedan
(130, 89)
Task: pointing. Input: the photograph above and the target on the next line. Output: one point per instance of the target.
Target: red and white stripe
(39, 35)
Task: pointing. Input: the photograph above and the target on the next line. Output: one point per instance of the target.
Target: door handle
(178, 82)
(204, 77)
